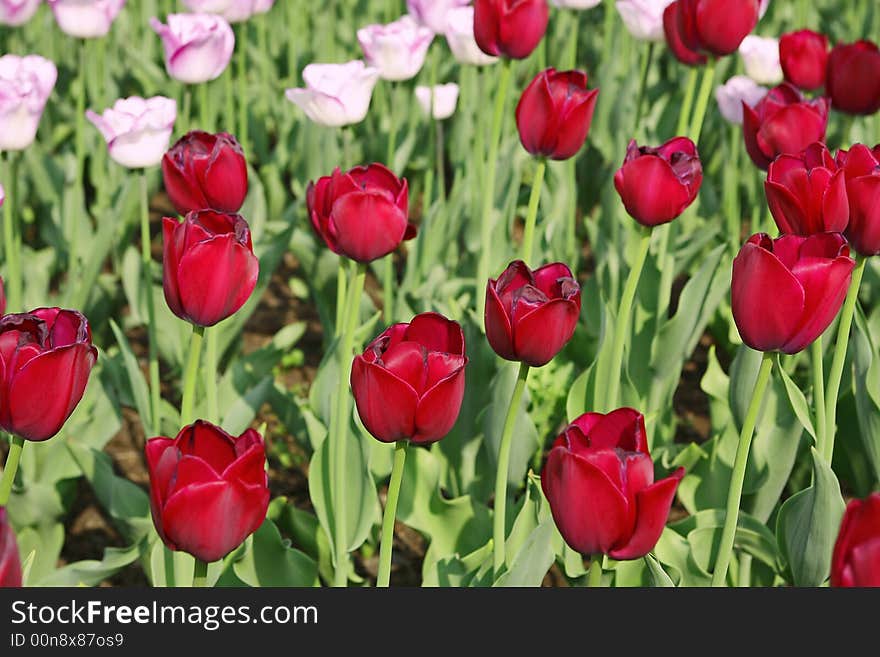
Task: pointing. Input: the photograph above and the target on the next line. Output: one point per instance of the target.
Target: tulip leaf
(269, 561)
(658, 576)
(45, 542)
(866, 386)
(138, 386)
(92, 572)
(532, 560)
(796, 398)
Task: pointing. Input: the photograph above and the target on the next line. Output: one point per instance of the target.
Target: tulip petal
(367, 225)
(652, 511)
(542, 334)
(651, 192)
(171, 238)
(226, 179)
(436, 333)
(574, 127)
(498, 330)
(751, 125)
(787, 211)
(407, 362)
(386, 404)
(209, 443)
(522, 28)
(791, 129)
(835, 206)
(439, 407)
(623, 428)
(863, 230)
(723, 24)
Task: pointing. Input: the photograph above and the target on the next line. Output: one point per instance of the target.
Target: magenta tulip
(510, 28)
(861, 167)
(856, 559)
(804, 58)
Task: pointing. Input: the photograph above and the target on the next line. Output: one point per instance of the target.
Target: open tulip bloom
(25, 86)
(335, 94)
(397, 50)
(137, 130)
(198, 47)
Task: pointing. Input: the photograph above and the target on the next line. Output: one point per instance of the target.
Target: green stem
(499, 521)
(621, 323)
(687, 104)
(241, 57)
(70, 229)
(341, 284)
(488, 190)
(200, 574)
(594, 577)
(392, 125)
(229, 100)
(10, 236)
(388, 281)
(703, 101)
(819, 393)
(737, 477)
(186, 114)
(12, 461)
(210, 369)
(439, 157)
(573, 35)
(532, 216)
(387, 545)
(187, 402)
(731, 188)
(647, 56)
(834, 376)
(155, 421)
(745, 570)
(204, 108)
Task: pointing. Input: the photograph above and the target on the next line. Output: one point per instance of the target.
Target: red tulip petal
(639, 474)
(536, 117)
(652, 193)
(623, 428)
(209, 443)
(863, 230)
(486, 27)
(521, 29)
(367, 225)
(193, 470)
(547, 278)
(835, 205)
(439, 407)
(751, 125)
(672, 17)
(542, 334)
(574, 127)
(652, 511)
(386, 405)
(249, 468)
(226, 180)
(723, 24)
(185, 194)
(791, 129)
(407, 362)
(162, 456)
(436, 333)
(786, 209)
(498, 330)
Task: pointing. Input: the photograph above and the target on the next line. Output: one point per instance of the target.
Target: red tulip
(205, 172)
(208, 490)
(10, 564)
(783, 122)
(807, 192)
(554, 113)
(210, 268)
(785, 292)
(672, 29)
(361, 214)
(599, 481)
(409, 382)
(657, 184)
(856, 559)
(46, 356)
(854, 77)
(530, 315)
(804, 58)
(712, 27)
(510, 28)
(861, 167)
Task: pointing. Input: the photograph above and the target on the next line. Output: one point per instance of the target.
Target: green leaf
(796, 398)
(139, 390)
(91, 572)
(658, 575)
(866, 388)
(270, 561)
(533, 559)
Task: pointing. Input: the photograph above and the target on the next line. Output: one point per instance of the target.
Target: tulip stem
(387, 545)
(737, 477)
(499, 525)
(187, 402)
(12, 461)
(819, 392)
(211, 374)
(341, 284)
(70, 229)
(687, 105)
(532, 216)
(388, 280)
(488, 189)
(204, 109)
(154, 425)
(241, 58)
(702, 101)
(647, 57)
(837, 364)
(10, 235)
(594, 578)
(621, 323)
(392, 126)
(200, 574)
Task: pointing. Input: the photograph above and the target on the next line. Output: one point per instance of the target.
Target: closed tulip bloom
(335, 94)
(198, 47)
(234, 11)
(397, 49)
(204, 171)
(760, 56)
(460, 37)
(554, 113)
(445, 98)
(804, 59)
(861, 167)
(25, 85)
(208, 490)
(531, 315)
(731, 95)
(643, 18)
(576, 4)
(599, 481)
(137, 130)
(785, 292)
(657, 184)
(714, 27)
(807, 192)
(209, 266)
(854, 77)
(682, 48)
(409, 382)
(17, 12)
(434, 14)
(856, 558)
(510, 28)
(46, 356)
(85, 19)
(783, 122)
(10, 563)
(362, 214)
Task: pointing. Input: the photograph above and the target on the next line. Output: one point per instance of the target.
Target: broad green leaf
(269, 561)
(796, 398)
(533, 559)
(138, 386)
(91, 572)
(658, 575)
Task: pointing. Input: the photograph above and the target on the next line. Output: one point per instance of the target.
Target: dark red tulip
(554, 113)
(510, 28)
(804, 58)
(856, 559)
(205, 172)
(599, 481)
(783, 122)
(530, 315)
(854, 77)
(708, 27)
(785, 292)
(10, 563)
(807, 192)
(861, 167)
(657, 184)
(46, 356)
(675, 37)
(361, 214)
(208, 490)
(210, 269)
(409, 382)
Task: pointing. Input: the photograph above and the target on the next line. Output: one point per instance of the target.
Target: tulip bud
(361, 214)
(137, 131)
(510, 28)
(599, 481)
(205, 172)
(785, 292)
(434, 14)
(46, 357)
(25, 85)
(856, 559)
(10, 563)
(854, 77)
(554, 113)
(409, 382)
(445, 98)
(657, 184)
(643, 18)
(531, 315)
(397, 50)
(708, 27)
(335, 94)
(85, 19)
(804, 58)
(198, 47)
(17, 12)
(731, 95)
(680, 44)
(760, 56)
(460, 37)
(861, 167)
(783, 122)
(208, 490)
(209, 266)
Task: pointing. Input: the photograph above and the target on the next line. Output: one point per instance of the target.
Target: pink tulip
(643, 18)
(335, 94)
(234, 11)
(85, 19)
(397, 49)
(25, 86)
(445, 98)
(17, 12)
(460, 37)
(198, 47)
(433, 13)
(137, 130)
